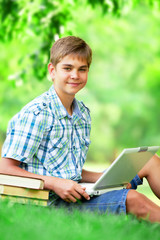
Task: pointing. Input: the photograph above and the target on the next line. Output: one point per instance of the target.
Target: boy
(50, 136)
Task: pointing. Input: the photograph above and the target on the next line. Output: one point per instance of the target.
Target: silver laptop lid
(125, 167)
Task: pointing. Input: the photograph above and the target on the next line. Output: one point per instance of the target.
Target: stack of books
(24, 190)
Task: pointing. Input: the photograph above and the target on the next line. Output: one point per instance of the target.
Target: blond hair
(70, 45)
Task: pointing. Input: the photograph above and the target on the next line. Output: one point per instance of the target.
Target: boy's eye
(67, 68)
(82, 69)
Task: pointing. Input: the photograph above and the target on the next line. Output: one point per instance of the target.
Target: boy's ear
(51, 70)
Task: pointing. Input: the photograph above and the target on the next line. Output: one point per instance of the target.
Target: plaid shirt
(46, 140)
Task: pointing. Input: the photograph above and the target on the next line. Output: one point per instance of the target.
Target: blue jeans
(111, 202)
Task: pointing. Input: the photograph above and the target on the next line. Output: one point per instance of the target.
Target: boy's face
(70, 75)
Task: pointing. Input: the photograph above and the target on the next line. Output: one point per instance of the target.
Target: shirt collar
(60, 110)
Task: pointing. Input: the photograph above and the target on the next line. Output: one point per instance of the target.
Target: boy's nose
(74, 75)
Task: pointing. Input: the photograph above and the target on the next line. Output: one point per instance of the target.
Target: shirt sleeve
(23, 137)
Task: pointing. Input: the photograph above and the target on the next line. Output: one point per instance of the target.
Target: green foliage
(27, 19)
(29, 222)
(123, 87)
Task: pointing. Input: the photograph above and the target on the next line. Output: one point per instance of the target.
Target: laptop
(122, 170)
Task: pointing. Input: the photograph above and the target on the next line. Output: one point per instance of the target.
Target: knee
(155, 160)
(150, 167)
(136, 204)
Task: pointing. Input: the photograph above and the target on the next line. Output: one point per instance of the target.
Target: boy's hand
(69, 190)
(129, 186)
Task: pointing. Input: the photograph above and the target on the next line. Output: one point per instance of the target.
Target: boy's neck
(67, 102)
(68, 105)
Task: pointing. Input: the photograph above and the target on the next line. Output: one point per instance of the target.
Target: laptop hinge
(143, 149)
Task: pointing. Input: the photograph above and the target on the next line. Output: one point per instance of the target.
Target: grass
(25, 222)
(32, 222)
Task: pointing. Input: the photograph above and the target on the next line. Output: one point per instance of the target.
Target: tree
(47, 18)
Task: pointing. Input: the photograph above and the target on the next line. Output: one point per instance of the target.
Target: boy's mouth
(74, 84)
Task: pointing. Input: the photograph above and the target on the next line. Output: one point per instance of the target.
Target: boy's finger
(67, 200)
(86, 196)
(71, 199)
(83, 193)
(129, 186)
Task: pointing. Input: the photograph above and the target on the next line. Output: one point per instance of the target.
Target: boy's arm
(89, 176)
(66, 189)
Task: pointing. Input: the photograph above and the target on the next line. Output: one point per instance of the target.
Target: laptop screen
(125, 167)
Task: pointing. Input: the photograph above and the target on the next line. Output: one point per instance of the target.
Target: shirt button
(36, 112)
(44, 104)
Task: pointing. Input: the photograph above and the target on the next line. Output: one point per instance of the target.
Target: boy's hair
(70, 45)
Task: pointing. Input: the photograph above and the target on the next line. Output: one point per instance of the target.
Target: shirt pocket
(82, 150)
(85, 142)
(57, 154)
(57, 143)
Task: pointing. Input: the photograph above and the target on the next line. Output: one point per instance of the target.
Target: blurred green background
(123, 90)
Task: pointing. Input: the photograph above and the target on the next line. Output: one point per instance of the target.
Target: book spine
(24, 192)
(21, 181)
(22, 200)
